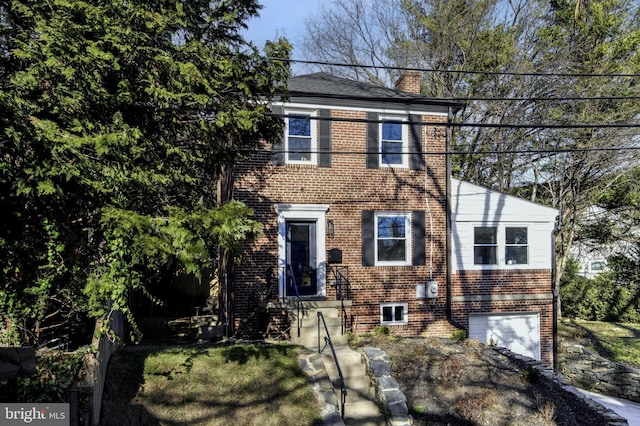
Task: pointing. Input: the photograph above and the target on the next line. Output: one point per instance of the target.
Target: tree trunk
(225, 260)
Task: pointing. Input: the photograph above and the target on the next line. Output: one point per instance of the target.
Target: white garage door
(518, 332)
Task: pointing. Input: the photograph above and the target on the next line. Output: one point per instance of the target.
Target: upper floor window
(394, 142)
(516, 246)
(485, 245)
(488, 248)
(300, 141)
(393, 238)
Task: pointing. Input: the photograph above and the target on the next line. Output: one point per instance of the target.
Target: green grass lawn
(242, 384)
(619, 342)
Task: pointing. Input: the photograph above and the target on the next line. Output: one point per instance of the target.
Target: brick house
(354, 205)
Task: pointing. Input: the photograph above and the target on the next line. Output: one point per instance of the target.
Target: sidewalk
(628, 409)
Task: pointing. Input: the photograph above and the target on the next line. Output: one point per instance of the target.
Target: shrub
(56, 371)
(471, 343)
(458, 335)
(611, 296)
(382, 331)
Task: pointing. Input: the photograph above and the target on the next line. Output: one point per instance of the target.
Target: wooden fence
(92, 385)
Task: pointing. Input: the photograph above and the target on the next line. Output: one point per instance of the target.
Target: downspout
(448, 220)
(554, 292)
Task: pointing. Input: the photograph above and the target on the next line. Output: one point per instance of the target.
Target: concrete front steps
(361, 406)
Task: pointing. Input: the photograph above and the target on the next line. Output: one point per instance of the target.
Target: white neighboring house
(593, 255)
(502, 263)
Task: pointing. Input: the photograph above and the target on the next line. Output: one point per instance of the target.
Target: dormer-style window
(300, 140)
(394, 142)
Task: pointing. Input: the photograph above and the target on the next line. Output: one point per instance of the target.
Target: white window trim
(408, 238)
(314, 212)
(517, 245)
(496, 245)
(404, 321)
(502, 243)
(602, 268)
(313, 134)
(405, 140)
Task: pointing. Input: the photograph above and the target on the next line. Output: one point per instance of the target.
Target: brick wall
(409, 82)
(348, 187)
(506, 291)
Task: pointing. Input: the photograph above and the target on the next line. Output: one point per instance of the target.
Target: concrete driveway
(627, 409)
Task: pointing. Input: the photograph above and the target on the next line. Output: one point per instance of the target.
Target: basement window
(393, 313)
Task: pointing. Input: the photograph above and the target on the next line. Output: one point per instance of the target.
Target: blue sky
(281, 18)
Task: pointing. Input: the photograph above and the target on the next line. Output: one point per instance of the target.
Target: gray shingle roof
(323, 86)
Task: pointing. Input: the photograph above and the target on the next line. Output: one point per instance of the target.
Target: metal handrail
(298, 300)
(327, 340)
(342, 283)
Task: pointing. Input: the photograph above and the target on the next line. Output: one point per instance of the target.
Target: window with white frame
(597, 266)
(393, 238)
(394, 313)
(300, 141)
(500, 245)
(485, 245)
(394, 142)
(516, 250)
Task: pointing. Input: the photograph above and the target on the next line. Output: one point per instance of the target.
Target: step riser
(311, 342)
(356, 386)
(348, 371)
(312, 322)
(352, 358)
(312, 315)
(334, 330)
(363, 413)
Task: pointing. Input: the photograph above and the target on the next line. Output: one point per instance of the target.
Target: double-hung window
(503, 245)
(301, 145)
(394, 137)
(393, 238)
(516, 246)
(485, 245)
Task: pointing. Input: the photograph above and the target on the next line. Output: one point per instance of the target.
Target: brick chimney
(409, 82)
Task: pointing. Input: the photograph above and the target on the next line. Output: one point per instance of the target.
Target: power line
(457, 152)
(500, 99)
(431, 70)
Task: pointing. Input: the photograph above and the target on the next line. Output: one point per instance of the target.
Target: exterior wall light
(330, 228)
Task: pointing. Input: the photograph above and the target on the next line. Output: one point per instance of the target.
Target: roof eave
(417, 103)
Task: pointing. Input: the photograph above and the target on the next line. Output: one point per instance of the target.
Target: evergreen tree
(117, 119)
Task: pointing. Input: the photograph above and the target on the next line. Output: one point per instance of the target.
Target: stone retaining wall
(395, 404)
(544, 372)
(394, 401)
(386, 387)
(584, 369)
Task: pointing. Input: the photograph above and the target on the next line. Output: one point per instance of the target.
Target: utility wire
(500, 99)
(431, 70)
(456, 152)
